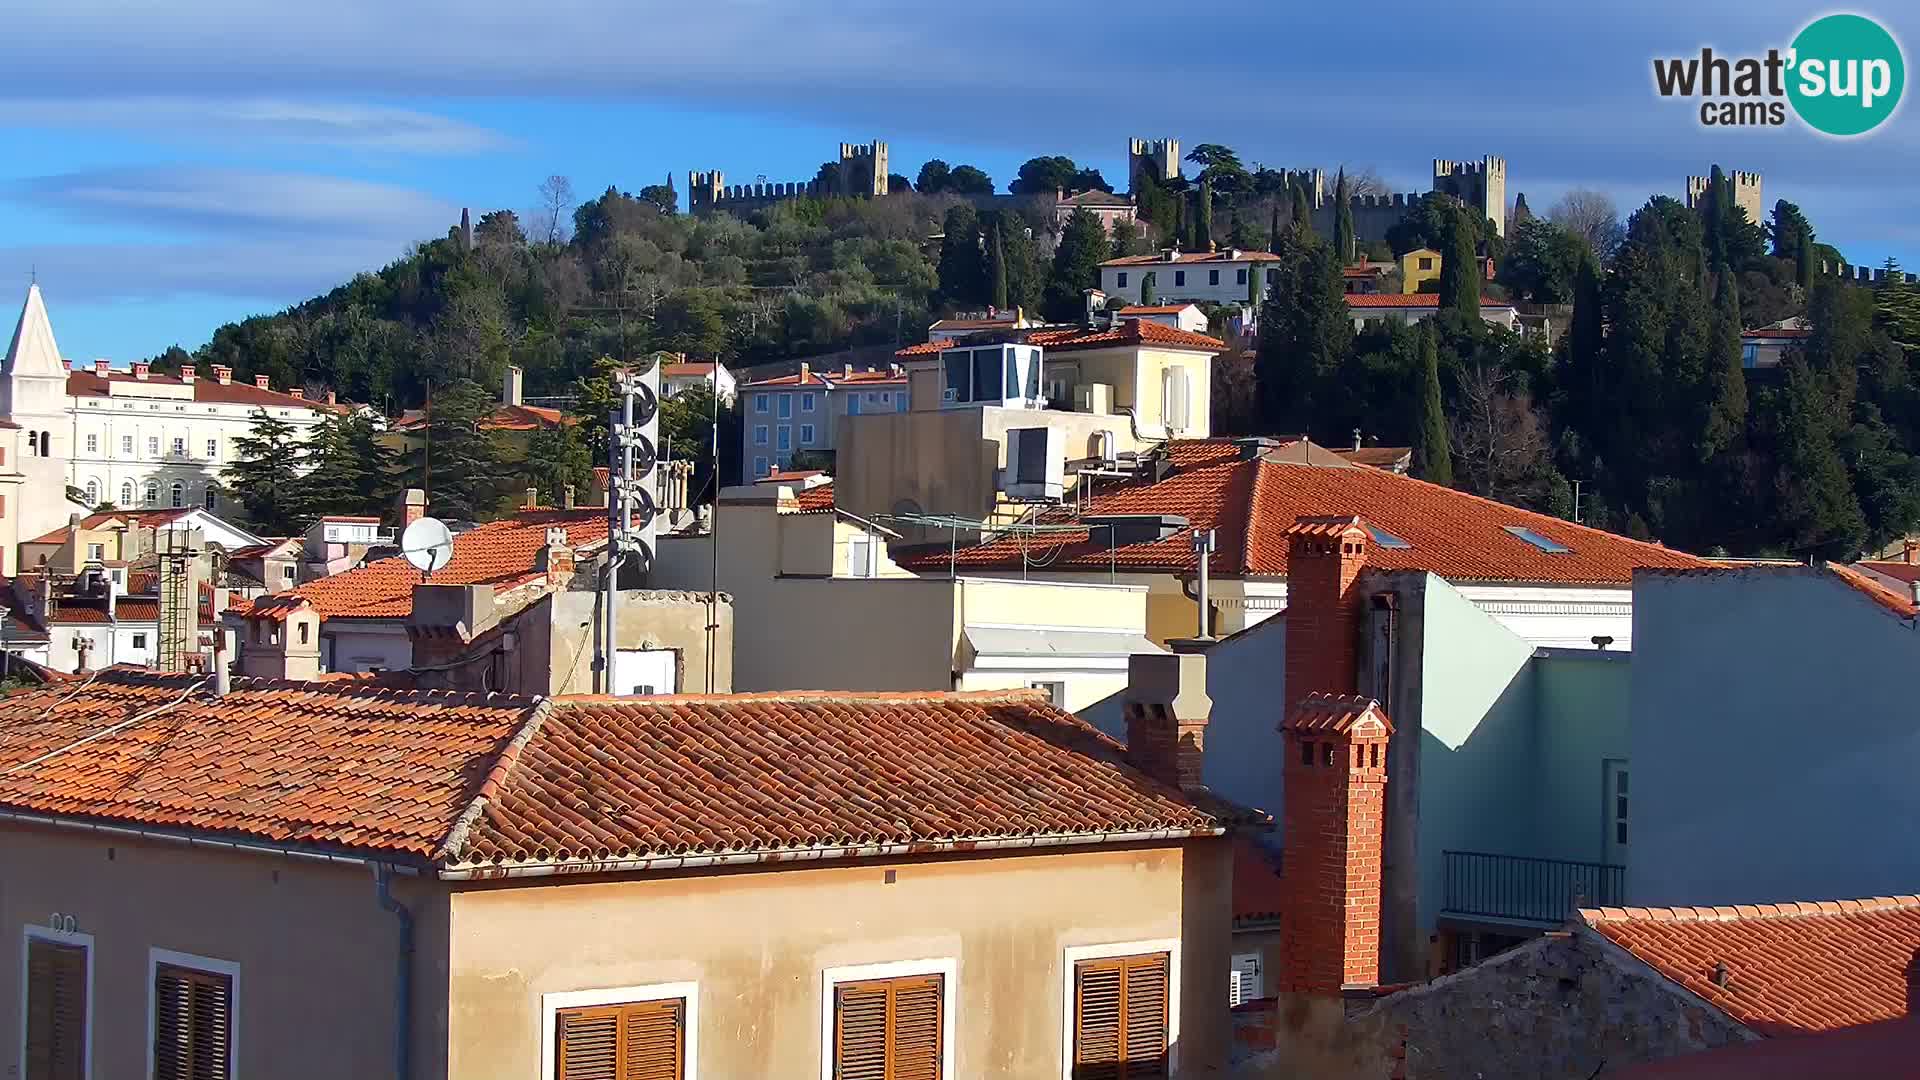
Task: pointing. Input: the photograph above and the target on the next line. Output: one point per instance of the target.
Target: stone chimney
(186, 372)
(413, 506)
(1334, 769)
(533, 499)
(1166, 708)
(511, 392)
(298, 392)
(262, 382)
(557, 558)
(806, 372)
(333, 397)
(567, 497)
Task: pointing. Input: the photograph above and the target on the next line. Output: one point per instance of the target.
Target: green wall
(1582, 720)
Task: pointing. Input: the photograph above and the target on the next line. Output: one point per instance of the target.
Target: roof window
(1551, 547)
(1386, 539)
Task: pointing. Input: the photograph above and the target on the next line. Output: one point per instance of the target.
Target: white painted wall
(1197, 286)
(1773, 741)
(1546, 616)
(354, 645)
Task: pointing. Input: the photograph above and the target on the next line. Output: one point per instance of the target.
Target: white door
(645, 671)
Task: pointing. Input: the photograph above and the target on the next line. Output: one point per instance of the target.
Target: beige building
(331, 880)
(820, 605)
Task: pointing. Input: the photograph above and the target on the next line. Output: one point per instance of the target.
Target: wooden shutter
(192, 1024)
(1120, 1018)
(645, 1040)
(889, 1029)
(56, 1010)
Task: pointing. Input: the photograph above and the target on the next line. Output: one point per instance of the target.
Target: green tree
(662, 196)
(933, 178)
(963, 274)
(556, 459)
(1203, 221)
(1817, 513)
(264, 478)
(1302, 214)
(348, 469)
(1273, 229)
(1076, 265)
(1147, 289)
(459, 463)
(1460, 274)
(1306, 336)
(1221, 167)
(686, 419)
(1342, 219)
(1724, 401)
(1045, 176)
(1428, 223)
(1542, 261)
(997, 271)
(967, 180)
(1433, 455)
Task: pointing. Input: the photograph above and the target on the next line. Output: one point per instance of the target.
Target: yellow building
(1418, 266)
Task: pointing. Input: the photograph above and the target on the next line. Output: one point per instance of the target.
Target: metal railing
(1528, 889)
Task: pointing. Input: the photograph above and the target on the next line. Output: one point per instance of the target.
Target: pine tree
(1817, 513)
(1148, 284)
(265, 477)
(1460, 269)
(1342, 220)
(997, 271)
(1434, 454)
(1725, 397)
(1076, 265)
(1302, 214)
(1203, 226)
(557, 456)
(459, 463)
(348, 469)
(1306, 335)
(963, 275)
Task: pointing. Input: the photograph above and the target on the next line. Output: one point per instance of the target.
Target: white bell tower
(33, 382)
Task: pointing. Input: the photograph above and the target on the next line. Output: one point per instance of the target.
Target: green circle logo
(1846, 74)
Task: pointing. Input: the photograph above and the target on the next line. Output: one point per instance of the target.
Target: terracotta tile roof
(502, 418)
(833, 378)
(81, 613)
(1880, 593)
(1185, 257)
(1153, 309)
(1095, 197)
(1379, 457)
(975, 324)
(1362, 271)
(1129, 332)
(499, 553)
(787, 476)
(129, 609)
(57, 536)
(1791, 968)
(817, 499)
(205, 390)
(1899, 571)
(1252, 501)
(329, 765)
(1335, 713)
(607, 778)
(687, 367)
(1776, 333)
(1408, 300)
(1257, 896)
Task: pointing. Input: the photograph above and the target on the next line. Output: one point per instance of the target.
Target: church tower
(33, 380)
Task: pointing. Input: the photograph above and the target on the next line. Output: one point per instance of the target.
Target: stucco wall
(647, 620)
(365, 644)
(1582, 712)
(1773, 741)
(757, 944)
(315, 999)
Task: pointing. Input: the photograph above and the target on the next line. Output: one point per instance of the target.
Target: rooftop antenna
(427, 545)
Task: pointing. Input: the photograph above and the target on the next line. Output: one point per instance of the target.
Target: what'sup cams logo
(1842, 76)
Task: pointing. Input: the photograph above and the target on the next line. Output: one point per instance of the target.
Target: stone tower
(863, 168)
(1158, 158)
(1746, 193)
(1481, 185)
(703, 190)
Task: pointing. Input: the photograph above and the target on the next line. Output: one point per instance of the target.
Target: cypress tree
(1460, 269)
(1148, 282)
(1203, 225)
(997, 271)
(1302, 213)
(1726, 392)
(1305, 338)
(1253, 286)
(1803, 261)
(1342, 220)
(1434, 455)
(962, 277)
(1273, 230)
(1584, 340)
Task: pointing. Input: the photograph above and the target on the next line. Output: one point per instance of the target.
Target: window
(1273, 276)
(179, 447)
(178, 493)
(1240, 276)
(759, 467)
(1386, 539)
(784, 438)
(806, 401)
(785, 406)
(93, 444)
(192, 1016)
(853, 404)
(1551, 547)
(96, 552)
(1120, 282)
(624, 1033)
(1243, 980)
(1056, 691)
(213, 449)
(759, 403)
(1426, 262)
(139, 641)
(888, 1022)
(153, 446)
(1121, 1011)
(153, 493)
(93, 493)
(286, 574)
(806, 434)
(126, 444)
(1749, 356)
(126, 493)
(1213, 277)
(209, 498)
(1173, 400)
(1179, 277)
(759, 434)
(59, 1005)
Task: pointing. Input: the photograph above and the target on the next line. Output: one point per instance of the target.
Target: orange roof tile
(502, 418)
(1129, 332)
(1153, 309)
(206, 390)
(834, 378)
(1252, 501)
(817, 499)
(1337, 714)
(1899, 571)
(1880, 593)
(1790, 968)
(1774, 332)
(499, 553)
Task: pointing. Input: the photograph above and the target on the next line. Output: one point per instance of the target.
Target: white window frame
(1076, 953)
(126, 444)
(157, 956)
(806, 434)
(153, 446)
(947, 967)
(213, 449)
(93, 444)
(1120, 280)
(551, 1004)
(806, 401)
(759, 403)
(31, 932)
(179, 446)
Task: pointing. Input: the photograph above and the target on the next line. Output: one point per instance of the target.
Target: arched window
(46, 444)
(153, 493)
(93, 493)
(207, 500)
(179, 493)
(126, 495)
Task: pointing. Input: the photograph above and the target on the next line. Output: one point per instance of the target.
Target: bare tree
(1592, 215)
(1500, 447)
(1365, 181)
(556, 201)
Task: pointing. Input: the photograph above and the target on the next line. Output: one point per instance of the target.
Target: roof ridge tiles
(454, 842)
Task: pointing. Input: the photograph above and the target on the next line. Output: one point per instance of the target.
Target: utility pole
(631, 507)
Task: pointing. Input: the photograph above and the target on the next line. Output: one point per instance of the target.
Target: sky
(170, 168)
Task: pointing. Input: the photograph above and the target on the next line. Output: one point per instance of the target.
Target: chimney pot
(298, 392)
(533, 498)
(186, 372)
(141, 369)
(567, 497)
(333, 397)
(847, 372)
(262, 382)
(806, 371)
(1167, 709)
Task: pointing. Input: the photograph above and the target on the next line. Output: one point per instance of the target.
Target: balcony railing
(1526, 889)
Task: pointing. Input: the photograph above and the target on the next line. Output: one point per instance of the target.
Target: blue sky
(173, 167)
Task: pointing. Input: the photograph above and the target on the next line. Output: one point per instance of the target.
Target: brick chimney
(1166, 708)
(101, 367)
(413, 506)
(222, 374)
(261, 382)
(557, 557)
(1334, 769)
(186, 372)
(141, 369)
(298, 392)
(333, 397)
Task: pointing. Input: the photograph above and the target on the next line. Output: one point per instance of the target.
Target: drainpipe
(403, 974)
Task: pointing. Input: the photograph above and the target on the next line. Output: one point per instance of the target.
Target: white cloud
(238, 200)
(248, 120)
(270, 274)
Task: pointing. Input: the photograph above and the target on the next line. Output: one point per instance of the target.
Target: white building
(1416, 307)
(712, 374)
(136, 438)
(1220, 277)
(33, 435)
(1179, 316)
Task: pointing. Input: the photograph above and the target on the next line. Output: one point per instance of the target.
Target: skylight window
(1551, 547)
(1386, 539)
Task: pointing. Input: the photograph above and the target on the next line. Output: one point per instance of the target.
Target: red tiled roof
(1335, 713)
(1251, 502)
(1893, 600)
(290, 763)
(1899, 571)
(834, 378)
(499, 553)
(687, 367)
(817, 499)
(85, 612)
(1153, 309)
(1129, 332)
(1257, 896)
(609, 778)
(1791, 968)
(205, 390)
(783, 476)
(1379, 457)
(57, 536)
(1777, 333)
(477, 783)
(1160, 258)
(502, 418)
(1408, 300)
(1361, 271)
(1095, 197)
(149, 519)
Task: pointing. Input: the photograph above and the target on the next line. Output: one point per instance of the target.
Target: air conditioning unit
(1036, 464)
(1095, 398)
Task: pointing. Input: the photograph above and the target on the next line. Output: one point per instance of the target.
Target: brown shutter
(642, 1041)
(192, 1024)
(1120, 1018)
(56, 1010)
(889, 1029)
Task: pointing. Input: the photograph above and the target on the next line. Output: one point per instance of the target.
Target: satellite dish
(428, 545)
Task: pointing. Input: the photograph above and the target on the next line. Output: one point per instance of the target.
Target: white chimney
(510, 394)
